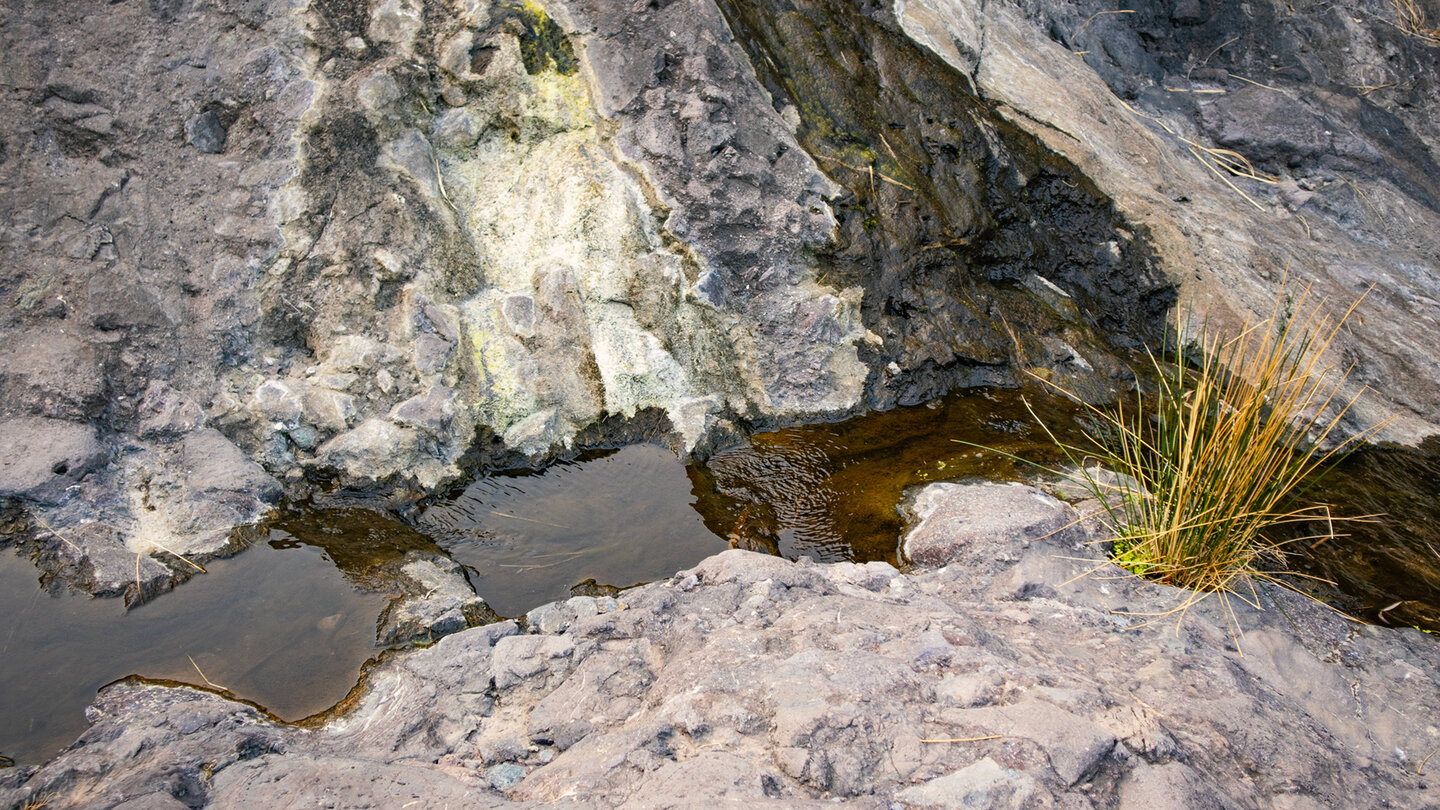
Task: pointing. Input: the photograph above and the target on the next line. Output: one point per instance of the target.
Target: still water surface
(619, 517)
(280, 627)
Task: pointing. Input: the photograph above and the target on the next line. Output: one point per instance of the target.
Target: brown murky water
(289, 623)
(830, 491)
(1388, 569)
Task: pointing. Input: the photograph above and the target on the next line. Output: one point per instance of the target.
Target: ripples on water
(1388, 569)
(830, 491)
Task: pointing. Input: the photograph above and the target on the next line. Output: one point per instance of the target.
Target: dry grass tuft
(1410, 16)
(1217, 457)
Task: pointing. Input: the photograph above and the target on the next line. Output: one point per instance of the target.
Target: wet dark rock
(206, 133)
(95, 558)
(437, 601)
(949, 210)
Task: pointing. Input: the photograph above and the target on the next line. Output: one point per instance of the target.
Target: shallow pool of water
(281, 627)
(618, 517)
(830, 491)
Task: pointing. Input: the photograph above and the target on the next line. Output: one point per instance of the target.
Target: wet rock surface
(437, 600)
(1000, 680)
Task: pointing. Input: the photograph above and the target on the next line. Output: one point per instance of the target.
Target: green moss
(32, 291)
(543, 45)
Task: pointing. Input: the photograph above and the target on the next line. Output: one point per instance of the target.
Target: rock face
(998, 680)
(359, 241)
(1329, 118)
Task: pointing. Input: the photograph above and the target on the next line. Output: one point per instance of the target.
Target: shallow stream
(290, 622)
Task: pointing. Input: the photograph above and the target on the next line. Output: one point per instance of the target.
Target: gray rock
(53, 374)
(41, 458)
(977, 523)
(163, 411)
(661, 228)
(326, 408)
(214, 464)
(375, 450)
(439, 601)
(555, 617)
(1172, 784)
(206, 133)
(105, 567)
(120, 302)
(712, 695)
(431, 412)
(549, 618)
(154, 801)
(279, 401)
(1075, 746)
(984, 784)
(432, 352)
(505, 775)
(518, 658)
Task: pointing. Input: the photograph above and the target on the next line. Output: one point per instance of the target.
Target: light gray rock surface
(41, 458)
(1003, 680)
(961, 522)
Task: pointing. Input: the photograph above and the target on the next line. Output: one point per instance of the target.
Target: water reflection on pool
(281, 627)
(618, 517)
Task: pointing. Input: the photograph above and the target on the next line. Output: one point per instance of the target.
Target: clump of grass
(1411, 19)
(1214, 462)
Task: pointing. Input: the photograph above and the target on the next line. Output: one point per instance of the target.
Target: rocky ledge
(1000, 676)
